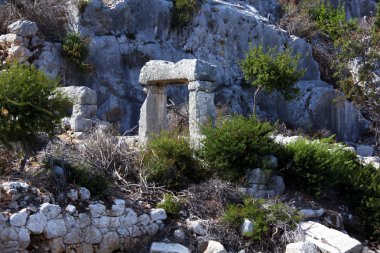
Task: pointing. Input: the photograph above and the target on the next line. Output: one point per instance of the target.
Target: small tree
(272, 70)
(29, 105)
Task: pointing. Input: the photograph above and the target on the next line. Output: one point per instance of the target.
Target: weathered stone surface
(364, 150)
(118, 207)
(11, 40)
(84, 194)
(36, 223)
(23, 238)
(212, 247)
(330, 240)
(160, 247)
(55, 228)
(129, 219)
(72, 195)
(56, 245)
(97, 210)
(19, 219)
(23, 28)
(202, 86)
(87, 111)
(71, 209)
(301, 247)
(79, 95)
(197, 226)
(83, 220)
(50, 211)
(106, 222)
(92, 235)
(187, 70)
(110, 243)
(19, 53)
(74, 236)
(158, 214)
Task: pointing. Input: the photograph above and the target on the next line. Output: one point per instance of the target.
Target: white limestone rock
(110, 242)
(311, 214)
(158, 214)
(74, 236)
(50, 211)
(87, 111)
(11, 40)
(84, 194)
(36, 223)
(129, 219)
(19, 53)
(19, 219)
(330, 240)
(71, 209)
(72, 195)
(55, 228)
(23, 28)
(301, 247)
(212, 247)
(197, 226)
(118, 207)
(179, 235)
(106, 222)
(246, 228)
(97, 210)
(144, 219)
(79, 95)
(83, 220)
(23, 238)
(160, 247)
(92, 235)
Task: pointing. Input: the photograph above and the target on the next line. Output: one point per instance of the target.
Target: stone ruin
(155, 76)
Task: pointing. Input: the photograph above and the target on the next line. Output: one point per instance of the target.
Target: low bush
(170, 204)
(323, 167)
(235, 145)
(268, 218)
(184, 12)
(82, 176)
(76, 49)
(168, 160)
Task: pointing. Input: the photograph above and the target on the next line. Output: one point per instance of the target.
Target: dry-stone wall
(96, 229)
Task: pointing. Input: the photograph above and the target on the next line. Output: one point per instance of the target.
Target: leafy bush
(272, 70)
(332, 20)
(76, 49)
(184, 12)
(266, 217)
(169, 203)
(82, 176)
(321, 167)
(168, 160)
(235, 145)
(29, 105)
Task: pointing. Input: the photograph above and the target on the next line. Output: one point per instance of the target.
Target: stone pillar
(153, 114)
(201, 109)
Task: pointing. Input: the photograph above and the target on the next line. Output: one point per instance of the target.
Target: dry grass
(50, 16)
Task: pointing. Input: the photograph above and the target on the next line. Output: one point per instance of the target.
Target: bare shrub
(101, 151)
(8, 161)
(49, 15)
(178, 117)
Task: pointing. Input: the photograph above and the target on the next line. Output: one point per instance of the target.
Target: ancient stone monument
(200, 77)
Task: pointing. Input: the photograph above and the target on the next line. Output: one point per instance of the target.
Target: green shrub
(272, 70)
(332, 20)
(266, 217)
(169, 203)
(322, 167)
(29, 105)
(235, 145)
(76, 49)
(184, 12)
(95, 182)
(168, 160)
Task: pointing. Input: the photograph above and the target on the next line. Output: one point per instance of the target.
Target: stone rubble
(160, 247)
(97, 230)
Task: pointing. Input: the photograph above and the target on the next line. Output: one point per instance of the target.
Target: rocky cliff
(125, 34)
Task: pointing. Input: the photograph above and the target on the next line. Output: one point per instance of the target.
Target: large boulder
(23, 28)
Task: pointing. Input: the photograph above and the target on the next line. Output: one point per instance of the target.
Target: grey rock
(212, 247)
(152, 229)
(74, 236)
(311, 214)
(179, 235)
(50, 211)
(92, 235)
(271, 161)
(87, 111)
(79, 95)
(23, 28)
(72, 195)
(301, 247)
(56, 245)
(36, 223)
(197, 226)
(246, 228)
(97, 210)
(55, 228)
(158, 214)
(71, 209)
(83, 220)
(258, 176)
(110, 243)
(330, 240)
(118, 207)
(144, 219)
(129, 219)
(364, 150)
(106, 222)
(160, 247)
(19, 219)
(84, 194)
(23, 238)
